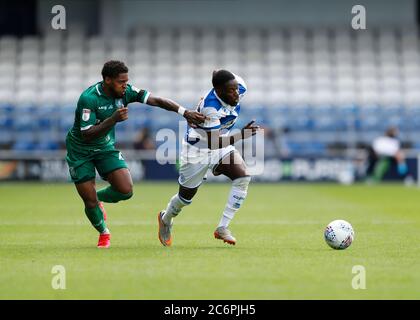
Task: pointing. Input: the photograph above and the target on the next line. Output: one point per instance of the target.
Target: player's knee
(242, 183)
(126, 191)
(187, 196)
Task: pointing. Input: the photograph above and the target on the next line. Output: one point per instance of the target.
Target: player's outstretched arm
(193, 117)
(101, 129)
(217, 141)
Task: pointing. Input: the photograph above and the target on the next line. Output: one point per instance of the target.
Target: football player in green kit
(90, 142)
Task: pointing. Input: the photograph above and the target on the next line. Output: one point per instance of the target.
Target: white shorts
(196, 162)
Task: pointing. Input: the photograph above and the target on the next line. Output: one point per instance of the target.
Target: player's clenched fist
(194, 118)
(120, 114)
(250, 129)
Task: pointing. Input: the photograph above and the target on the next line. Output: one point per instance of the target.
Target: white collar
(97, 89)
(224, 104)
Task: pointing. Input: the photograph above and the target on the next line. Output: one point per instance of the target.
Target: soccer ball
(339, 234)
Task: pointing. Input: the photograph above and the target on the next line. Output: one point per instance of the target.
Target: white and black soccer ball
(339, 234)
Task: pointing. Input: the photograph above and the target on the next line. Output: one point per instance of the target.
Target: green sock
(96, 217)
(108, 194)
(380, 169)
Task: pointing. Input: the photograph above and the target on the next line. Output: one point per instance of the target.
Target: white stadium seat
(297, 65)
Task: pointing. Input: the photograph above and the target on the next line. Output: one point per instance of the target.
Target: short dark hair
(220, 77)
(113, 68)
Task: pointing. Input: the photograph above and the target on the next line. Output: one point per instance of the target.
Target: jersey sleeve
(134, 94)
(87, 112)
(212, 121)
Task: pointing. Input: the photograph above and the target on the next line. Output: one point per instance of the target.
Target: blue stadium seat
(124, 131)
(248, 112)
(48, 125)
(65, 120)
(392, 116)
(371, 123)
(23, 145)
(162, 119)
(324, 119)
(277, 118)
(25, 124)
(6, 129)
(139, 123)
(306, 148)
(47, 145)
(411, 120)
(346, 117)
(300, 119)
(325, 123)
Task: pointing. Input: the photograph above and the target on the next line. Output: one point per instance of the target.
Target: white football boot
(224, 234)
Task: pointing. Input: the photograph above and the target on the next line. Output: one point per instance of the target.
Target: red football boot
(104, 240)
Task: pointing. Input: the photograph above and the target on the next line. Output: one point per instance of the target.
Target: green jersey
(93, 107)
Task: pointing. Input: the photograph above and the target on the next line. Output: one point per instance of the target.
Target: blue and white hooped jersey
(219, 115)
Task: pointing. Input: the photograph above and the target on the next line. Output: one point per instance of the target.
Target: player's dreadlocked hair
(113, 68)
(220, 77)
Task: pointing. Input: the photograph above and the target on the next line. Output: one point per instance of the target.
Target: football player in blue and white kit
(210, 146)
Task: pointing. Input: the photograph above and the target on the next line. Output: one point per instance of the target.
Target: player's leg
(399, 161)
(112, 167)
(381, 168)
(372, 159)
(93, 211)
(178, 201)
(120, 188)
(190, 178)
(82, 173)
(235, 169)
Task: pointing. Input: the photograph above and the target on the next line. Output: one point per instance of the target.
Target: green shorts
(82, 163)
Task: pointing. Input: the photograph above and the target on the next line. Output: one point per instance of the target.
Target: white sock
(224, 221)
(237, 196)
(174, 207)
(106, 231)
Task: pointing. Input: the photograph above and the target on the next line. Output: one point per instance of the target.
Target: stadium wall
(111, 17)
(145, 167)
(261, 13)
(81, 15)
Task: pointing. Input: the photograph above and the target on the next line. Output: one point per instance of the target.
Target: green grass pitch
(280, 254)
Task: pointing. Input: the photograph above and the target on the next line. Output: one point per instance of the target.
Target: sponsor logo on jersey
(105, 107)
(85, 114)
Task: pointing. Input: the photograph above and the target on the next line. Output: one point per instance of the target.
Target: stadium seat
(47, 145)
(24, 145)
(287, 70)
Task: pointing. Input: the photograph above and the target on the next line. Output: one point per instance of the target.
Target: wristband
(181, 110)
